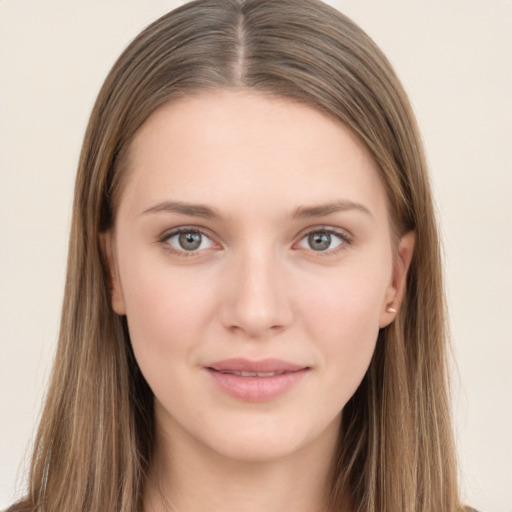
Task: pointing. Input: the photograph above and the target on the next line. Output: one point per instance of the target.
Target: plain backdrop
(455, 60)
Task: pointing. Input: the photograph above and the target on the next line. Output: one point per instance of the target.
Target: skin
(255, 288)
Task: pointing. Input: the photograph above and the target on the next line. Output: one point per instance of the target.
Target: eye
(323, 240)
(188, 240)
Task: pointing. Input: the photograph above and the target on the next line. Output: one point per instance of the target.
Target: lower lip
(257, 389)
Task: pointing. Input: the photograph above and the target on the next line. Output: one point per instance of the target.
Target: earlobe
(114, 284)
(396, 291)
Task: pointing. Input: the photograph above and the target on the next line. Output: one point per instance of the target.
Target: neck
(188, 478)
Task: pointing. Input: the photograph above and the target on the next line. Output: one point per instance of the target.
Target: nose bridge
(257, 300)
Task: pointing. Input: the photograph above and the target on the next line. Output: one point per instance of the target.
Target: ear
(396, 289)
(114, 284)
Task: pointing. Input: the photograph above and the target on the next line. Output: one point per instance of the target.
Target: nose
(256, 299)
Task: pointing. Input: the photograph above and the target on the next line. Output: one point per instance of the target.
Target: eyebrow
(302, 212)
(190, 209)
(306, 212)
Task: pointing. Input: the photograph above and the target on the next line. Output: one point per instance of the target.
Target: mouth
(256, 381)
(248, 374)
(255, 368)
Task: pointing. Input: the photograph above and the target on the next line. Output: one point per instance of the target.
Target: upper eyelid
(343, 233)
(168, 233)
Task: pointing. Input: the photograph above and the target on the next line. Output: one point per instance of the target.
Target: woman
(253, 311)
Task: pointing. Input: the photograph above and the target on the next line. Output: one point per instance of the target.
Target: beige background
(455, 59)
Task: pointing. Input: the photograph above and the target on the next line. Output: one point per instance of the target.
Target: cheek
(166, 311)
(346, 302)
(342, 316)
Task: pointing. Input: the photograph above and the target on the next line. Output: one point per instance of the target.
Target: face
(253, 258)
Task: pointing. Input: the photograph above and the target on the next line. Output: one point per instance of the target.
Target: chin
(263, 439)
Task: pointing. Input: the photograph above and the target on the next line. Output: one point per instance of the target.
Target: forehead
(235, 149)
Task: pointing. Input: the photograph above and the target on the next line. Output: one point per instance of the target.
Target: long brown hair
(94, 443)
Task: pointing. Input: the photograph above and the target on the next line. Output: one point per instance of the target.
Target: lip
(273, 378)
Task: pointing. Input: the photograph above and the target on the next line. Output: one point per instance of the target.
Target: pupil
(319, 241)
(190, 241)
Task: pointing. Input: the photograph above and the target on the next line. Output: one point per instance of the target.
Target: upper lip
(261, 366)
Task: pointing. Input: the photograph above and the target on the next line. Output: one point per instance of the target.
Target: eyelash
(344, 238)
